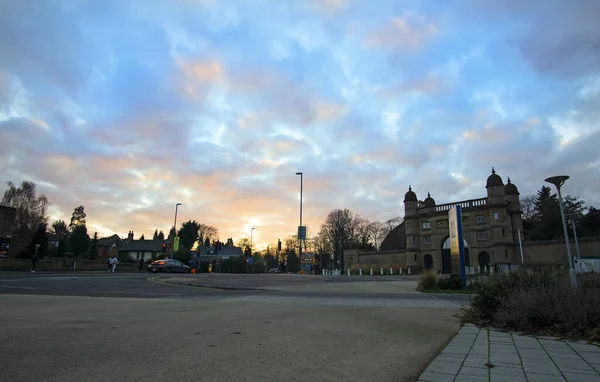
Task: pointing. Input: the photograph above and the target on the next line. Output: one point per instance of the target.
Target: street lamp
(299, 229)
(251, 232)
(558, 181)
(572, 218)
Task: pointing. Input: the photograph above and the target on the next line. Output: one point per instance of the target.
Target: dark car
(168, 266)
(274, 270)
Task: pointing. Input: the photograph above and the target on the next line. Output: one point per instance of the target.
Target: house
(211, 254)
(108, 246)
(53, 240)
(143, 249)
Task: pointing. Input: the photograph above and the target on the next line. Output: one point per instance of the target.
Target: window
(415, 257)
(480, 219)
(496, 215)
(503, 232)
(407, 227)
(427, 240)
(426, 225)
(482, 235)
(414, 240)
(506, 253)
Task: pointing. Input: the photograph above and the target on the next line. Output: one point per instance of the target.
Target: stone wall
(382, 258)
(555, 251)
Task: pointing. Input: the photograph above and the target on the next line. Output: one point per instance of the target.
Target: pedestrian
(141, 264)
(114, 263)
(109, 262)
(34, 259)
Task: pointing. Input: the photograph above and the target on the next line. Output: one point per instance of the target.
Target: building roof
(510, 189)
(142, 246)
(225, 251)
(494, 180)
(395, 240)
(429, 201)
(109, 241)
(410, 196)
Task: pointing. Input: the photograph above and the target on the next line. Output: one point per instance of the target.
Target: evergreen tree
(155, 236)
(207, 242)
(94, 247)
(161, 235)
(40, 237)
(142, 237)
(79, 241)
(78, 218)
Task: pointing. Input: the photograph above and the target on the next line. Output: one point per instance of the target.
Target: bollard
(485, 270)
(348, 272)
(400, 270)
(323, 272)
(360, 271)
(74, 265)
(381, 271)
(371, 271)
(479, 269)
(472, 270)
(491, 271)
(409, 270)
(391, 271)
(467, 270)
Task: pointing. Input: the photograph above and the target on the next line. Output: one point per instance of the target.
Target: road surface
(122, 327)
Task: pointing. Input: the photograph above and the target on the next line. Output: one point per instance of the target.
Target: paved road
(120, 327)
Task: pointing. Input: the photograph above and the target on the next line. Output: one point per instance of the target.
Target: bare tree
(528, 206)
(207, 231)
(31, 212)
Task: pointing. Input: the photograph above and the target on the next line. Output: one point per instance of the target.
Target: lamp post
(558, 181)
(174, 227)
(572, 218)
(299, 237)
(251, 232)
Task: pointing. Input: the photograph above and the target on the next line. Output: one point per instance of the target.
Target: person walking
(109, 262)
(34, 260)
(114, 263)
(141, 264)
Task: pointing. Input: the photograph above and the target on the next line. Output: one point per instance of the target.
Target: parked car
(273, 270)
(168, 266)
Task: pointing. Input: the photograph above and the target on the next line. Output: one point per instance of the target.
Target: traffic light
(164, 247)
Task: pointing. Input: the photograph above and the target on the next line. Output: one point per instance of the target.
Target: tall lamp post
(299, 229)
(572, 218)
(174, 227)
(251, 234)
(558, 181)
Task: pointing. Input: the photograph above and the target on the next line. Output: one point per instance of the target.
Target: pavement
(121, 327)
(490, 355)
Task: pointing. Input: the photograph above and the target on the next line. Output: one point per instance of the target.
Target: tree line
(542, 218)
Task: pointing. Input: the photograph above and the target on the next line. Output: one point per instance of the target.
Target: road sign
(457, 246)
(176, 244)
(302, 232)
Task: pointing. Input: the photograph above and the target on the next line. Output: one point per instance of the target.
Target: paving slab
(532, 377)
(577, 377)
(436, 377)
(513, 357)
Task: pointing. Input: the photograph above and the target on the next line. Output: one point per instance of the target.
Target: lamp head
(558, 180)
(178, 204)
(298, 173)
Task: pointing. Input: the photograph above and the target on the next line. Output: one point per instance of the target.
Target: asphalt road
(120, 327)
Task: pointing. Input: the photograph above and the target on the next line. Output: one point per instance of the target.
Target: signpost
(176, 244)
(457, 244)
(302, 232)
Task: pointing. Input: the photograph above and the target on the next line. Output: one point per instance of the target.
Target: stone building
(490, 231)
(490, 228)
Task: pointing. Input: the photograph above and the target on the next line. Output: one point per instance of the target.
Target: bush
(428, 280)
(538, 300)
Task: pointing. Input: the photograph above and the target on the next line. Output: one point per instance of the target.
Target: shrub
(427, 280)
(538, 300)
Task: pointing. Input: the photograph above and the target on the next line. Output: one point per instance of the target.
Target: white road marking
(142, 293)
(14, 287)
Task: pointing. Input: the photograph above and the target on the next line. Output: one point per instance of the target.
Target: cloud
(129, 108)
(408, 32)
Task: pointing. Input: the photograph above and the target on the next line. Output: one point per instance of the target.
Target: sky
(129, 107)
